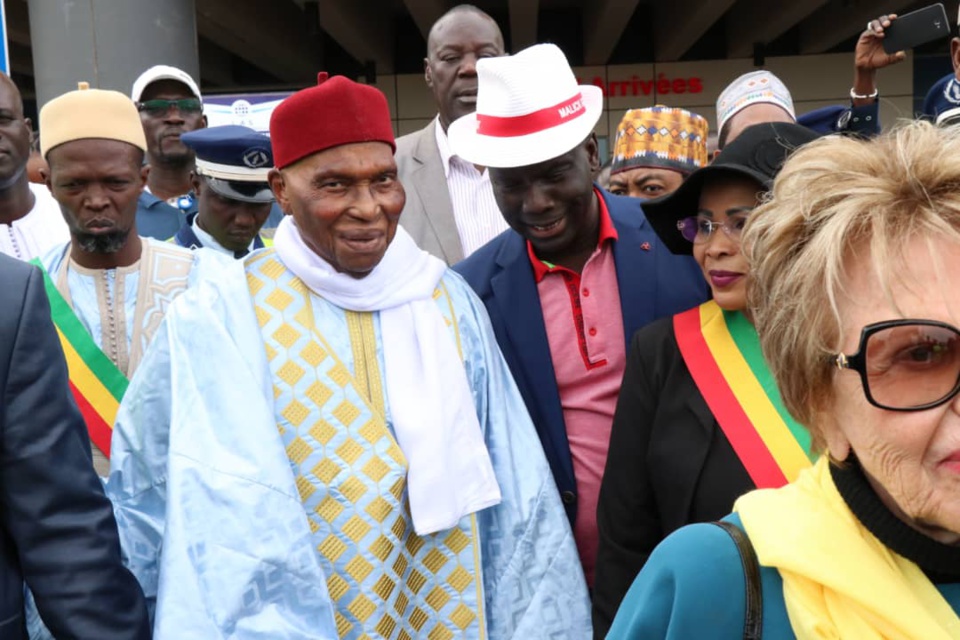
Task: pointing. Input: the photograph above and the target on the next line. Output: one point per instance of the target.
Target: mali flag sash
(96, 382)
(722, 352)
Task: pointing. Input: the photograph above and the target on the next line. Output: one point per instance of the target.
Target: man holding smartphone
(759, 96)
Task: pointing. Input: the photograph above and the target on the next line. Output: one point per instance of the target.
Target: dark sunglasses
(907, 365)
(162, 107)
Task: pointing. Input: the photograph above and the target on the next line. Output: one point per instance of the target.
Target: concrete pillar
(108, 43)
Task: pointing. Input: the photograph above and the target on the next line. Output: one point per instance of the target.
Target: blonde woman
(857, 304)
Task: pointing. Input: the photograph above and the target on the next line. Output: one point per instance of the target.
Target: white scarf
(434, 417)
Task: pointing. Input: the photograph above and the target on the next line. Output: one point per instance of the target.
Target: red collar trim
(607, 232)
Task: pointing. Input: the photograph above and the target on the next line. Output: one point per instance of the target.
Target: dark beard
(102, 242)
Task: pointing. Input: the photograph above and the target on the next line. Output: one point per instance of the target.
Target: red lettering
(663, 85)
(598, 82)
(620, 87)
(635, 86)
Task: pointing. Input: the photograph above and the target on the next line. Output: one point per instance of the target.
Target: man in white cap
(169, 103)
(576, 275)
(108, 287)
(324, 440)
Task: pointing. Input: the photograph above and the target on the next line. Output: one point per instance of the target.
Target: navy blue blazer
(653, 283)
(57, 530)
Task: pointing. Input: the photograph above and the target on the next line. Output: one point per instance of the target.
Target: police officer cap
(234, 161)
(942, 103)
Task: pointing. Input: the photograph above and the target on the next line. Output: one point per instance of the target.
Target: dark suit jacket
(428, 214)
(669, 465)
(57, 530)
(652, 282)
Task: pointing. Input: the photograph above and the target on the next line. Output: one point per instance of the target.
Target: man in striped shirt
(450, 209)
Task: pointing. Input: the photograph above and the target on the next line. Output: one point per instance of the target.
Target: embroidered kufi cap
(755, 87)
(90, 113)
(660, 137)
(337, 111)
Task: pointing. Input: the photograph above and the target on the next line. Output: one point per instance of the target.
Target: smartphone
(916, 28)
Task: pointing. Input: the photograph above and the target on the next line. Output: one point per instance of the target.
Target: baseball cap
(162, 72)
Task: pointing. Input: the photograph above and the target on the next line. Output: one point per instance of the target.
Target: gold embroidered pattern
(385, 580)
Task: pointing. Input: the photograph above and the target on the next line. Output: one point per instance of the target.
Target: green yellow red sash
(722, 352)
(96, 382)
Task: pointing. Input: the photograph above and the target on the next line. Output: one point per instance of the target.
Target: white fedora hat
(529, 109)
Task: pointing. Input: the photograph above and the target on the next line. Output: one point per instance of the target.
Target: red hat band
(530, 123)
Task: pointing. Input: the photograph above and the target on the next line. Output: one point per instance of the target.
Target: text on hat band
(535, 122)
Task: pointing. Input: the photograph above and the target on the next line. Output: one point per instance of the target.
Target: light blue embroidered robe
(120, 312)
(210, 516)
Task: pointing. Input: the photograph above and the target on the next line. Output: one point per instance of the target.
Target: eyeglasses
(699, 229)
(907, 365)
(162, 107)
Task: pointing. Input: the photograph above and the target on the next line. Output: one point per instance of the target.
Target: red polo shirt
(584, 325)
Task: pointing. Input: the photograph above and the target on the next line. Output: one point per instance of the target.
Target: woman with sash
(854, 294)
(699, 421)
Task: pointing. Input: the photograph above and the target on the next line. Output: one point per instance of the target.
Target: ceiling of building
(283, 43)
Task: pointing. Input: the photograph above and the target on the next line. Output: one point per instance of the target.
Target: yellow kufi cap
(90, 113)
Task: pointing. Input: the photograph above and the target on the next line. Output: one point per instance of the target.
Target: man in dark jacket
(57, 530)
(578, 272)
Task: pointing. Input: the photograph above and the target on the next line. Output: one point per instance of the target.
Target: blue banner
(5, 49)
(248, 109)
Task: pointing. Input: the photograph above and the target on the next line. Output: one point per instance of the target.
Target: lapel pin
(645, 246)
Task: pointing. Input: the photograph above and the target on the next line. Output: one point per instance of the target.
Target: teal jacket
(693, 587)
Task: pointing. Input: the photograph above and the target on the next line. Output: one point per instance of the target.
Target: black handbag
(753, 615)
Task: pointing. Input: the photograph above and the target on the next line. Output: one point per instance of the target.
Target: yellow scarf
(839, 581)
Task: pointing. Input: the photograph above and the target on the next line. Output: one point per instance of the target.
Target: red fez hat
(337, 111)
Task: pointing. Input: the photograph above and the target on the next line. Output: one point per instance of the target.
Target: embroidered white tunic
(38, 231)
(122, 308)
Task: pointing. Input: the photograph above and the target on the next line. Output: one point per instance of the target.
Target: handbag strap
(753, 617)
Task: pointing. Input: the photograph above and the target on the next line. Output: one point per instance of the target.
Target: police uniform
(234, 162)
(942, 103)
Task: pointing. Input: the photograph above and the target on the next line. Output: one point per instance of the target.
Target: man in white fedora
(577, 273)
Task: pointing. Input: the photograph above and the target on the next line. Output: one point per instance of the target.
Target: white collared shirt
(209, 242)
(475, 210)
